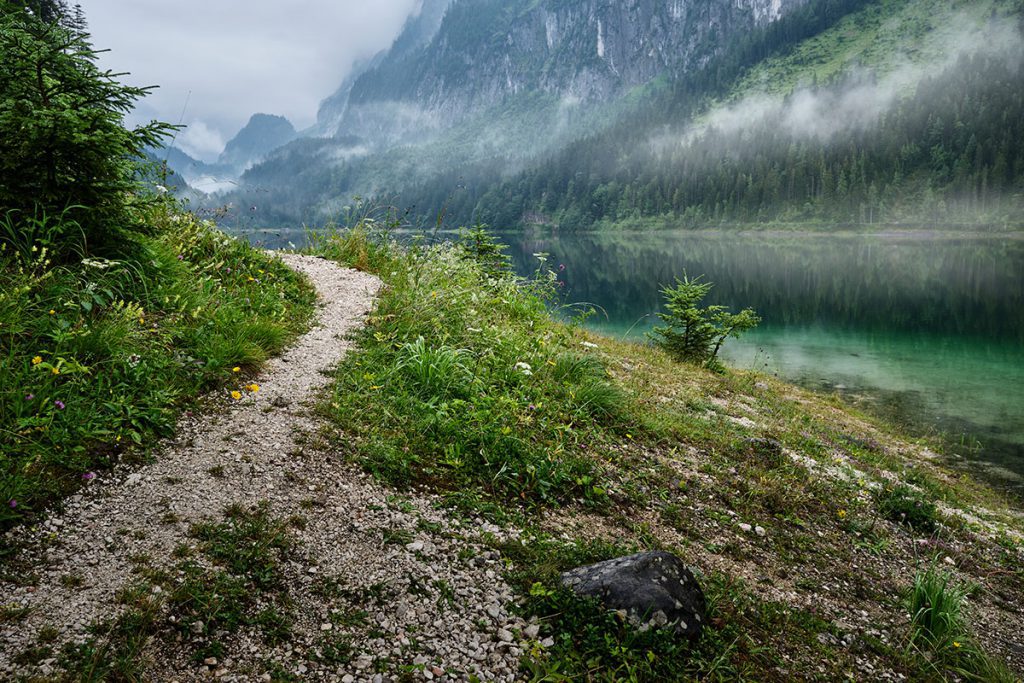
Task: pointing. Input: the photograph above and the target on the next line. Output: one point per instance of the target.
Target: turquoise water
(926, 330)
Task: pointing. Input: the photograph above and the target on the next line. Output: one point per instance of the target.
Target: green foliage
(938, 632)
(63, 148)
(486, 250)
(904, 505)
(463, 380)
(99, 358)
(693, 334)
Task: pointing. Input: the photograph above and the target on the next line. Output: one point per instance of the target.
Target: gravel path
(410, 593)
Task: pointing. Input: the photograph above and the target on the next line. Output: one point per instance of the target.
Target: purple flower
(88, 476)
(561, 267)
(12, 503)
(59, 404)
(531, 407)
(29, 397)
(180, 257)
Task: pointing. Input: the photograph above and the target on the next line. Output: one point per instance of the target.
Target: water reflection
(925, 329)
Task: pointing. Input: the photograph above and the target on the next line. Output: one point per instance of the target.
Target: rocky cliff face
(485, 51)
(417, 33)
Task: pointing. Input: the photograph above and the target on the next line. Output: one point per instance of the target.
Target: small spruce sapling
(693, 334)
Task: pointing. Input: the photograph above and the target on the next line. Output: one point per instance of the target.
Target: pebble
(340, 541)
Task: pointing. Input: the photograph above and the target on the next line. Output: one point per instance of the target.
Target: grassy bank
(824, 539)
(99, 356)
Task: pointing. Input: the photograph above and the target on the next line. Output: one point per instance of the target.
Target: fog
(862, 96)
(219, 62)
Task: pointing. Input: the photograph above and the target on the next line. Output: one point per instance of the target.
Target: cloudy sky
(220, 61)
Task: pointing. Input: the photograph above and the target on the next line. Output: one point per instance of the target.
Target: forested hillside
(852, 112)
(951, 152)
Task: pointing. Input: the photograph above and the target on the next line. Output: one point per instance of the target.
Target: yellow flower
(956, 644)
(252, 279)
(236, 369)
(37, 360)
(237, 395)
(56, 371)
(53, 312)
(841, 514)
(253, 388)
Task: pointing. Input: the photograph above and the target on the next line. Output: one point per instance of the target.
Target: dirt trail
(374, 584)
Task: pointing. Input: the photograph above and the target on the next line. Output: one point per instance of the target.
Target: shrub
(693, 334)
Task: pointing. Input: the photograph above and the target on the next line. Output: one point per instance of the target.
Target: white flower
(524, 368)
(589, 345)
(474, 329)
(161, 189)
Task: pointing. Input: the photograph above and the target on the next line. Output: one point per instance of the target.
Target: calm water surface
(924, 329)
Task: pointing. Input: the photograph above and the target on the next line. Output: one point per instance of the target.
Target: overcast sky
(228, 59)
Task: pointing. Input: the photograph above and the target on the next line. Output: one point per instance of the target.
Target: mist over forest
(851, 112)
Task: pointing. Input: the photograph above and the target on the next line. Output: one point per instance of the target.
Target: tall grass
(939, 638)
(462, 378)
(98, 355)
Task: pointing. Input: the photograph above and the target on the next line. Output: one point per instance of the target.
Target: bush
(63, 149)
(693, 334)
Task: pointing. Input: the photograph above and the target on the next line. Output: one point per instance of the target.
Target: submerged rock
(654, 589)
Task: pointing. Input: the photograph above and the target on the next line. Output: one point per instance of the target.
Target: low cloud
(219, 62)
(821, 113)
(200, 141)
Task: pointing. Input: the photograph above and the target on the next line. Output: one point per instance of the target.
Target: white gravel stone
(265, 447)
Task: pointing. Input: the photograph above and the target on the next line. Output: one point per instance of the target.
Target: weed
(904, 505)
(938, 632)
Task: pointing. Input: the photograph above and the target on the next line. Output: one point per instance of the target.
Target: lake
(924, 329)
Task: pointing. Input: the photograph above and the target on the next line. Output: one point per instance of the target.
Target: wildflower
(531, 407)
(37, 360)
(59, 404)
(29, 397)
(524, 368)
(589, 345)
(55, 371)
(181, 257)
(236, 369)
(252, 279)
(956, 643)
(841, 514)
(134, 360)
(161, 189)
(237, 395)
(88, 476)
(53, 312)
(253, 388)
(12, 503)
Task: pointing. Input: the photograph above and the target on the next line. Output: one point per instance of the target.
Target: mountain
(259, 137)
(584, 52)
(576, 113)
(417, 33)
(474, 81)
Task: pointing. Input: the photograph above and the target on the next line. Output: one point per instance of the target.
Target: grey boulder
(652, 590)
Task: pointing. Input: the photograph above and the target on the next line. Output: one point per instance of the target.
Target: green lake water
(925, 329)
